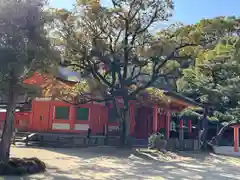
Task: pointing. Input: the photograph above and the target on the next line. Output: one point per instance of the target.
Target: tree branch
(156, 69)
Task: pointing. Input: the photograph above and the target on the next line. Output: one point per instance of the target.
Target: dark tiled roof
(67, 74)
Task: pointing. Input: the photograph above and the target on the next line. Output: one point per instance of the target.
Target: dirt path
(111, 164)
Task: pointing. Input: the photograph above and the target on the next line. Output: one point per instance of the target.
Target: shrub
(18, 166)
(157, 141)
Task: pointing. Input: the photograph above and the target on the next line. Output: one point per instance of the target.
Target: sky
(186, 11)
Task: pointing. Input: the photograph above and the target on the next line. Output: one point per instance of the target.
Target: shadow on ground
(114, 164)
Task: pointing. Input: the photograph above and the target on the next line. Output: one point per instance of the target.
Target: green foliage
(190, 113)
(156, 141)
(197, 114)
(24, 47)
(118, 37)
(214, 77)
(200, 60)
(156, 95)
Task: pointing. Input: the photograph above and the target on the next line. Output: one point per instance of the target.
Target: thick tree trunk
(122, 132)
(125, 128)
(8, 125)
(124, 123)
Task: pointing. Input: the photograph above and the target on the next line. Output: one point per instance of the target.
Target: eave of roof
(182, 98)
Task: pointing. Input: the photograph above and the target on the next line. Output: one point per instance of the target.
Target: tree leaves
(24, 47)
(116, 37)
(214, 78)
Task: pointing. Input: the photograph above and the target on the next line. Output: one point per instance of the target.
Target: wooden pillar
(181, 134)
(181, 124)
(72, 117)
(132, 117)
(189, 125)
(168, 118)
(236, 139)
(155, 118)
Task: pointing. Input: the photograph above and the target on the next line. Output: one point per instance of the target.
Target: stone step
(140, 142)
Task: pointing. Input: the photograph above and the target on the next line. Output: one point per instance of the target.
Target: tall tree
(23, 50)
(213, 79)
(119, 38)
(198, 80)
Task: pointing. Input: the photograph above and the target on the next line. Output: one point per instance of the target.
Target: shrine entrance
(143, 122)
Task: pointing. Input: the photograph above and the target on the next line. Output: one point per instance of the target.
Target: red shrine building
(49, 114)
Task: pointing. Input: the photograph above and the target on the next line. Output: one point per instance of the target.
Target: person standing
(173, 129)
(174, 135)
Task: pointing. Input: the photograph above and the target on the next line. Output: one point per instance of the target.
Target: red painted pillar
(51, 115)
(181, 133)
(72, 117)
(189, 125)
(236, 139)
(155, 118)
(132, 117)
(181, 124)
(168, 118)
(30, 123)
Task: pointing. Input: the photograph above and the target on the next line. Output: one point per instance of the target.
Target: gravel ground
(104, 163)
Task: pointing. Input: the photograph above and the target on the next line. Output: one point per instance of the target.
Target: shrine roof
(67, 75)
(182, 97)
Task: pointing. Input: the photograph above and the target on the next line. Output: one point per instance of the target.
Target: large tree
(205, 79)
(213, 78)
(23, 50)
(119, 38)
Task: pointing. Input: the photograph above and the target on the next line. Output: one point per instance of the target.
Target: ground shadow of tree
(122, 164)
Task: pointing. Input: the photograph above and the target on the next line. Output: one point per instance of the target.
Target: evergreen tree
(24, 49)
(213, 79)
